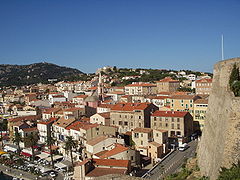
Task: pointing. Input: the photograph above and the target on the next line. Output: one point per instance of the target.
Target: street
(172, 163)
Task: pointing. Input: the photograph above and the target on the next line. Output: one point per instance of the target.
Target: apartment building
(168, 85)
(128, 116)
(183, 103)
(178, 124)
(200, 110)
(140, 89)
(203, 86)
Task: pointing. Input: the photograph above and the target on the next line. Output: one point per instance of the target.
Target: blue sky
(87, 34)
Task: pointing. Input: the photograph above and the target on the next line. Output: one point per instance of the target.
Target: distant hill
(18, 75)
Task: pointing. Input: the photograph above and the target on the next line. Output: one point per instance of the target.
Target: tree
(31, 140)
(17, 139)
(69, 145)
(234, 76)
(50, 142)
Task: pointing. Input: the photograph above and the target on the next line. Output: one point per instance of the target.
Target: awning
(43, 155)
(60, 165)
(9, 148)
(26, 154)
(44, 169)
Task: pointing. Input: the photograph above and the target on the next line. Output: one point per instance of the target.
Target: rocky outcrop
(220, 142)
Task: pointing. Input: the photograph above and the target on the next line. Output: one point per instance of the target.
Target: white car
(52, 174)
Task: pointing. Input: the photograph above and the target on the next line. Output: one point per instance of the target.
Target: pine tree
(234, 77)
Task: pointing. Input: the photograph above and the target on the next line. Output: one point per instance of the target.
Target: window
(131, 123)
(140, 124)
(139, 117)
(136, 135)
(120, 116)
(172, 119)
(166, 119)
(141, 142)
(178, 126)
(172, 126)
(131, 158)
(155, 124)
(125, 123)
(113, 122)
(160, 118)
(157, 134)
(141, 135)
(178, 119)
(166, 124)
(155, 118)
(160, 124)
(120, 123)
(126, 116)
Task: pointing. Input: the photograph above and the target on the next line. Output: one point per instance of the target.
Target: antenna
(222, 49)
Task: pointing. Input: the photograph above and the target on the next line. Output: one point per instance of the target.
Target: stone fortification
(220, 142)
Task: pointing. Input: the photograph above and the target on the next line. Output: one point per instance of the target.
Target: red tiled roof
(30, 129)
(73, 109)
(205, 80)
(170, 113)
(59, 96)
(25, 118)
(97, 172)
(130, 106)
(105, 105)
(168, 79)
(118, 149)
(155, 144)
(183, 96)
(49, 121)
(105, 115)
(111, 162)
(96, 140)
(201, 101)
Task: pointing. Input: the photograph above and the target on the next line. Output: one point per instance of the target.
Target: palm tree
(31, 140)
(50, 142)
(17, 139)
(69, 145)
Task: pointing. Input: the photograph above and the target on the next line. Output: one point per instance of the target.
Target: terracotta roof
(205, 80)
(96, 140)
(155, 144)
(168, 79)
(158, 97)
(201, 101)
(130, 106)
(51, 110)
(81, 96)
(105, 115)
(111, 162)
(165, 93)
(93, 88)
(80, 163)
(72, 109)
(25, 118)
(116, 150)
(97, 172)
(30, 129)
(51, 120)
(116, 92)
(160, 130)
(101, 153)
(143, 130)
(62, 122)
(141, 85)
(105, 105)
(183, 96)
(170, 113)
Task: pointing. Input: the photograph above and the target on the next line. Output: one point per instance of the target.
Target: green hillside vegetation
(19, 75)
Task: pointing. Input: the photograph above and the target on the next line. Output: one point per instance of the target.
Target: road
(172, 163)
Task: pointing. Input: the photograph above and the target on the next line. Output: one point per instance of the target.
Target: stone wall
(220, 142)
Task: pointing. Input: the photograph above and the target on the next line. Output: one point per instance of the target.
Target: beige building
(203, 86)
(140, 89)
(168, 85)
(200, 109)
(101, 118)
(183, 103)
(128, 116)
(178, 124)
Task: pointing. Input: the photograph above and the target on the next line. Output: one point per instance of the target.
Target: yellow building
(200, 109)
(183, 103)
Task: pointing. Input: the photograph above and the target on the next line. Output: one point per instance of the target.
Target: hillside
(18, 75)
